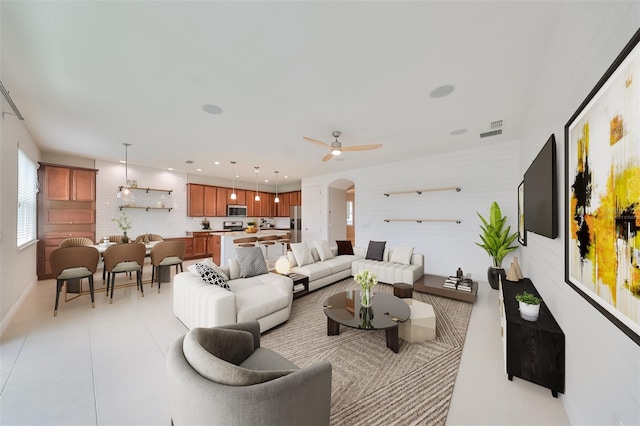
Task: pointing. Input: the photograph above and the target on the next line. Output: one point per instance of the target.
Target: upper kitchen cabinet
(241, 198)
(222, 199)
(296, 198)
(282, 208)
(195, 200)
(69, 183)
(210, 200)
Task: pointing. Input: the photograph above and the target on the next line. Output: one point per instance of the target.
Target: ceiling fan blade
(361, 147)
(327, 157)
(317, 142)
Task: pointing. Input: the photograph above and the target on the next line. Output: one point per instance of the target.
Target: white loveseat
(264, 298)
(407, 271)
(321, 273)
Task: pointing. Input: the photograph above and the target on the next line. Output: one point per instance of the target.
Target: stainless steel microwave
(235, 210)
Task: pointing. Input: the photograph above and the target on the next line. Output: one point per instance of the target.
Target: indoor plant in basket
(496, 241)
(529, 306)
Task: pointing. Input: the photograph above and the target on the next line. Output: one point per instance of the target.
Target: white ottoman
(421, 325)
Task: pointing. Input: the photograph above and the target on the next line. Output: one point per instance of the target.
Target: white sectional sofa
(264, 298)
(321, 273)
(387, 271)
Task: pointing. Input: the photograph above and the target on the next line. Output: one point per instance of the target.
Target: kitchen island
(228, 250)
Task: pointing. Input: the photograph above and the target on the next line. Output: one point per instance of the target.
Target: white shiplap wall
(485, 174)
(602, 364)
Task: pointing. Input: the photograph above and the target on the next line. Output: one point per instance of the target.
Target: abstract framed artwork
(522, 232)
(602, 194)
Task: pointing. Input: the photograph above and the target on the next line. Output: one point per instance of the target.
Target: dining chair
(166, 254)
(245, 242)
(72, 263)
(124, 258)
(75, 242)
(118, 239)
(147, 238)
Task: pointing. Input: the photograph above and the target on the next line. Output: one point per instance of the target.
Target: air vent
(189, 161)
(491, 133)
(495, 125)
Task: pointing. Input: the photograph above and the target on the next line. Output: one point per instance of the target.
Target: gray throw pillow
(251, 261)
(375, 251)
(211, 276)
(216, 352)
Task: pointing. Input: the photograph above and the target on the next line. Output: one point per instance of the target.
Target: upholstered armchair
(221, 376)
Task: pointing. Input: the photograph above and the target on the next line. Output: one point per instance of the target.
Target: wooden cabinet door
(195, 200)
(69, 216)
(296, 198)
(270, 205)
(222, 195)
(210, 197)
(214, 248)
(84, 185)
(57, 183)
(241, 195)
(199, 246)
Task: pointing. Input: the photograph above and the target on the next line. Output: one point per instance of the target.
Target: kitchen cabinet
(69, 184)
(241, 197)
(188, 246)
(65, 208)
(195, 200)
(214, 248)
(222, 195)
(200, 244)
(210, 200)
(282, 209)
(296, 198)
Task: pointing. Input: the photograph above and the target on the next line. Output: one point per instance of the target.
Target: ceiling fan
(336, 147)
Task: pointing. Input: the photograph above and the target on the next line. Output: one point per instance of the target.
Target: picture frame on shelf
(522, 231)
(602, 194)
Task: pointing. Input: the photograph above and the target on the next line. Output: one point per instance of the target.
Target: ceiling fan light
(336, 152)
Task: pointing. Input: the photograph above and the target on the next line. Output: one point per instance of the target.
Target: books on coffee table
(458, 284)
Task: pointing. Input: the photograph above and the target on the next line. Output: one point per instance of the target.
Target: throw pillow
(344, 247)
(324, 251)
(375, 251)
(292, 259)
(402, 255)
(251, 261)
(211, 276)
(234, 269)
(216, 352)
(211, 264)
(302, 253)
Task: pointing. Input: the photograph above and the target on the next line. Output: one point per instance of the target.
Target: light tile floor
(107, 365)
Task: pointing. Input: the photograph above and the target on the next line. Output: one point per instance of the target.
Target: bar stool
(266, 241)
(284, 240)
(245, 242)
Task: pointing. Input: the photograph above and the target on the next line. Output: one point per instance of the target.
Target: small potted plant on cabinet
(251, 228)
(529, 306)
(496, 241)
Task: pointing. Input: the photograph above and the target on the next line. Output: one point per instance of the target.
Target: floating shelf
(145, 208)
(423, 220)
(168, 191)
(420, 191)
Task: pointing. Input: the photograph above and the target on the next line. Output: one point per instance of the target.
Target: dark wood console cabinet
(534, 351)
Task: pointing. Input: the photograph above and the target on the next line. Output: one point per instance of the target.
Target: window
(349, 213)
(27, 190)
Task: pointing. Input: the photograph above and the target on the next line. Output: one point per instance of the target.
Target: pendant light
(257, 170)
(125, 192)
(276, 200)
(233, 192)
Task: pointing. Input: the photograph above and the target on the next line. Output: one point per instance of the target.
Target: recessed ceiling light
(458, 132)
(170, 169)
(286, 177)
(266, 181)
(442, 91)
(217, 163)
(212, 109)
(198, 170)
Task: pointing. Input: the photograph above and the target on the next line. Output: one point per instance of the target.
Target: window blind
(27, 190)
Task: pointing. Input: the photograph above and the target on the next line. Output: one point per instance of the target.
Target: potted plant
(496, 240)
(529, 306)
(124, 223)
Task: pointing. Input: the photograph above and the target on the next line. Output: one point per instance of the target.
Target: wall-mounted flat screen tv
(540, 192)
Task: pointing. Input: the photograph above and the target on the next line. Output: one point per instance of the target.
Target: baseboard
(4, 323)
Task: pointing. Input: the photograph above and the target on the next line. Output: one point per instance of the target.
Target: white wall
(603, 364)
(17, 268)
(485, 174)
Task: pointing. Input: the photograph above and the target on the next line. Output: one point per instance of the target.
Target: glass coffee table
(385, 313)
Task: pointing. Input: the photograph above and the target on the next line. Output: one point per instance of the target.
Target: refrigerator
(295, 216)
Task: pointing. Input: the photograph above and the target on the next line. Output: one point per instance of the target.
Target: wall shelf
(145, 208)
(137, 188)
(423, 220)
(420, 191)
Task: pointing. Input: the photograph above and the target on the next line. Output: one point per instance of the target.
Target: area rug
(371, 385)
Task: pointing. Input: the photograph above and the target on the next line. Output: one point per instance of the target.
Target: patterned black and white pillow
(251, 261)
(211, 276)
